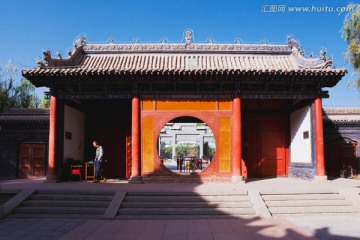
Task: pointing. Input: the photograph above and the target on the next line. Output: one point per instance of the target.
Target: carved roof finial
(46, 55)
(237, 41)
(164, 40)
(136, 40)
(322, 55)
(111, 40)
(293, 43)
(188, 37)
(59, 54)
(80, 41)
(39, 63)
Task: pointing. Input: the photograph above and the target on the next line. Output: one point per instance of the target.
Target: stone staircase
(300, 203)
(81, 204)
(185, 205)
(6, 195)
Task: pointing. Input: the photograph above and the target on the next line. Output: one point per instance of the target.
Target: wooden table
(89, 166)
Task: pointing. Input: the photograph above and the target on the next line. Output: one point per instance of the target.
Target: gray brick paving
(37, 229)
(306, 227)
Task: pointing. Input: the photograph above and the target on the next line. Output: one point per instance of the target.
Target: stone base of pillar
(136, 180)
(320, 178)
(52, 179)
(237, 179)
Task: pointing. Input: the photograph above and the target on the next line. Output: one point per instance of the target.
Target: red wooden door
(252, 152)
(32, 159)
(266, 143)
(272, 145)
(25, 161)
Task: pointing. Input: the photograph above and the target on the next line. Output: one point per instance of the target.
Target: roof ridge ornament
(311, 63)
(46, 56)
(59, 54)
(293, 43)
(188, 36)
(80, 41)
(210, 40)
(39, 62)
(322, 55)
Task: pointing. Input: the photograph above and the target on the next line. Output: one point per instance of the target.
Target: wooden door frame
(45, 144)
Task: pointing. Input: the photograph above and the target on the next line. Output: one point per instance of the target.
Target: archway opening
(186, 145)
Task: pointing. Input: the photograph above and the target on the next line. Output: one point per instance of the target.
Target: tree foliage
(15, 93)
(186, 149)
(166, 152)
(351, 34)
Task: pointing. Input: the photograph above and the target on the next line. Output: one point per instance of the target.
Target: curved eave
(43, 72)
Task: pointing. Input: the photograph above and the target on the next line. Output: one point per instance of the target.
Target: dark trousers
(97, 170)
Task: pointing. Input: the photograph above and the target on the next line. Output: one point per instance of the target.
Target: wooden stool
(91, 166)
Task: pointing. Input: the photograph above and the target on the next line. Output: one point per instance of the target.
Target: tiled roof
(25, 115)
(342, 115)
(105, 59)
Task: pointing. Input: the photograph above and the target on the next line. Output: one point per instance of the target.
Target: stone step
(72, 197)
(186, 198)
(311, 209)
(174, 217)
(59, 210)
(186, 211)
(298, 192)
(303, 197)
(4, 199)
(7, 195)
(66, 203)
(180, 193)
(303, 203)
(186, 204)
(76, 192)
(52, 215)
(289, 215)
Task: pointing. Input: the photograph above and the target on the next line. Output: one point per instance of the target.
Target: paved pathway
(309, 227)
(207, 229)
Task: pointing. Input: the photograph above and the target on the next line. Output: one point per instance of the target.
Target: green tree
(166, 152)
(45, 102)
(208, 151)
(186, 148)
(351, 34)
(13, 93)
(26, 97)
(7, 85)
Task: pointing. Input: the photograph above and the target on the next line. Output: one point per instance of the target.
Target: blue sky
(28, 26)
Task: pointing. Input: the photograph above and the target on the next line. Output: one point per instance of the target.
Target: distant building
(342, 142)
(24, 137)
(261, 101)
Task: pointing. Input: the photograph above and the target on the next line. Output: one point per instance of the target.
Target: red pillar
(319, 139)
(236, 143)
(51, 175)
(135, 138)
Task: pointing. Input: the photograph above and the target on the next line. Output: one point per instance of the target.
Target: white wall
(300, 148)
(74, 122)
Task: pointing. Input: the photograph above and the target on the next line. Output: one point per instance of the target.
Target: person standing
(99, 155)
